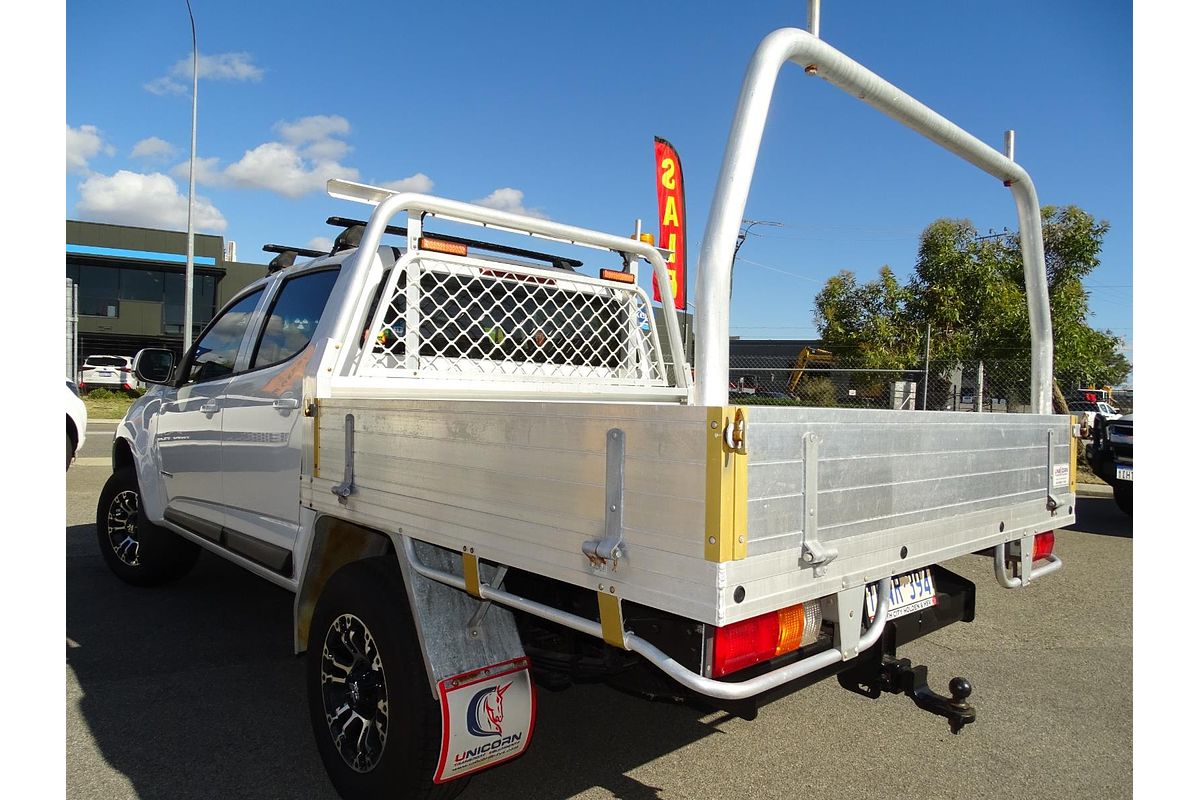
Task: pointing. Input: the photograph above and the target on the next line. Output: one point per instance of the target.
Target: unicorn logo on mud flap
(485, 712)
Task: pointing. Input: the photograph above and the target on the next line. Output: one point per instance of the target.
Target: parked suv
(1111, 457)
(109, 372)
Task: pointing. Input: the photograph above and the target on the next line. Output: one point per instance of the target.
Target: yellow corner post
(725, 517)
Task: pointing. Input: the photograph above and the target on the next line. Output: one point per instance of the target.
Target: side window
(216, 351)
(293, 317)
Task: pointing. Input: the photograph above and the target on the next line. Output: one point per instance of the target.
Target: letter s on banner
(671, 220)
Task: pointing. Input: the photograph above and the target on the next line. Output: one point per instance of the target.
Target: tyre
(137, 551)
(1123, 494)
(376, 724)
(70, 450)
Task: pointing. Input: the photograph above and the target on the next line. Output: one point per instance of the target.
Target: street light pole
(191, 234)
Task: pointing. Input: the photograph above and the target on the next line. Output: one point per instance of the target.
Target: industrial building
(127, 286)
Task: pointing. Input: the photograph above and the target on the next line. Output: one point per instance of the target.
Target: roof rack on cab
(288, 255)
(352, 234)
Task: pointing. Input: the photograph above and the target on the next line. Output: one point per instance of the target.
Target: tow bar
(899, 676)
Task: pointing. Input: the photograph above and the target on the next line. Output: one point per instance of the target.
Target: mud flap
(487, 718)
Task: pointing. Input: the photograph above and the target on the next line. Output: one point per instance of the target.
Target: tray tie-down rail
(709, 687)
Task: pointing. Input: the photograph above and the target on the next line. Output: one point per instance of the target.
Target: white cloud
(153, 148)
(83, 144)
(413, 183)
(279, 168)
(152, 201)
(314, 128)
(326, 150)
(320, 243)
(220, 67)
(208, 171)
(511, 200)
(302, 163)
(164, 85)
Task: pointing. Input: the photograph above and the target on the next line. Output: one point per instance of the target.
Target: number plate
(910, 592)
(1125, 473)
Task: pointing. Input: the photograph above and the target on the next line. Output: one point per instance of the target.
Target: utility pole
(925, 391)
(747, 224)
(190, 271)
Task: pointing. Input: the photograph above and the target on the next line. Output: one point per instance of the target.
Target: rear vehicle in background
(109, 372)
(1088, 410)
(1110, 456)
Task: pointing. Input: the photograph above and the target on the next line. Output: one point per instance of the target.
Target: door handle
(210, 408)
(286, 403)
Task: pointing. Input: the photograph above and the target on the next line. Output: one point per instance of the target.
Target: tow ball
(898, 675)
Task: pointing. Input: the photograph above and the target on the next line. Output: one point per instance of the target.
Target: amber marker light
(616, 275)
(441, 246)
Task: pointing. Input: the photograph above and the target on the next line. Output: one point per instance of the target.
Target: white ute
(478, 467)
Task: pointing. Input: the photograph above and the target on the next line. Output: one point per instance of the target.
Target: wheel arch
(336, 543)
(122, 455)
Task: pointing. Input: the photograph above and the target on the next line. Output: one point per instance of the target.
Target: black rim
(122, 527)
(354, 693)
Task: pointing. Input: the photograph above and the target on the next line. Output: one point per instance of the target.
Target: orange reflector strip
(440, 246)
(791, 629)
(616, 275)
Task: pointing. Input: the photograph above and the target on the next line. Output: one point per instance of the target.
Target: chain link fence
(818, 378)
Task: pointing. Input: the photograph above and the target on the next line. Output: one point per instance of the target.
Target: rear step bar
(719, 690)
(1025, 570)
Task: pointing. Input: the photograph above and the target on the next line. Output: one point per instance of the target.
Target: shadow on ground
(1100, 515)
(192, 691)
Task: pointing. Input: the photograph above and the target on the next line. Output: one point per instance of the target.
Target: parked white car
(76, 422)
(108, 372)
(1086, 412)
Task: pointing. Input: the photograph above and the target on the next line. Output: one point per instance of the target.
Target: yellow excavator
(806, 358)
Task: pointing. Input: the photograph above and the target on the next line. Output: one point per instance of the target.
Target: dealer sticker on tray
(911, 592)
(1062, 475)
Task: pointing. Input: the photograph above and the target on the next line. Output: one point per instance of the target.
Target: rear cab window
(293, 316)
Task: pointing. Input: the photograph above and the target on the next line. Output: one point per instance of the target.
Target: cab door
(261, 436)
(188, 435)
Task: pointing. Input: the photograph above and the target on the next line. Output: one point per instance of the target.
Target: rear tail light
(1043, 545)
(746, 643)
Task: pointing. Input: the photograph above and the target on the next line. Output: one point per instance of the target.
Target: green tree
(970, 290)
(867, 325)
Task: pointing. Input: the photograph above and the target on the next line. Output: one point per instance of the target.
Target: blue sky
(552, 108)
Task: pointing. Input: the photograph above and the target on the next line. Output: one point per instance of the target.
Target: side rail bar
(389, 204)
(697, 683)
(737, 170)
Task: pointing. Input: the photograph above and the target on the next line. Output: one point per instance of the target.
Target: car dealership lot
(191, 691)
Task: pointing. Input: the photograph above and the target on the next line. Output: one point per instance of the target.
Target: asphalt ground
(192, 691)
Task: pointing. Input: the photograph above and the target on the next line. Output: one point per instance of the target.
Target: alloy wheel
(354, 691)
(122, 527)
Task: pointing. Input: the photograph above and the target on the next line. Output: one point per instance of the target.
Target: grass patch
(107, 404)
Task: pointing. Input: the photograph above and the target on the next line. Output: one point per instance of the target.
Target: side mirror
(154, 365)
